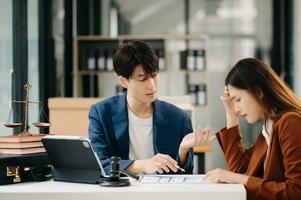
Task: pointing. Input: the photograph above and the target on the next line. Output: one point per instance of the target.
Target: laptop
(73, 159)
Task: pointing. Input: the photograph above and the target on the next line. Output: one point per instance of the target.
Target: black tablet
(73, 159)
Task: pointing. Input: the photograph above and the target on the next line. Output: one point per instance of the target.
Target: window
(5, 63)
(33, 61)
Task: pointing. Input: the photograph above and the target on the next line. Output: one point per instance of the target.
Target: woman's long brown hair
(265, 85)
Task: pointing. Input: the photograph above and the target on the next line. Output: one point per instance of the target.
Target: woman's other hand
(231, 116)
(224, 176)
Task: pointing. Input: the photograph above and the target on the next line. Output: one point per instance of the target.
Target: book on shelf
(16, 145)
(22, 151)
(24, 138)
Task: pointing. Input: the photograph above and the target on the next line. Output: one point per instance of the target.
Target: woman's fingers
(226, 89)
(208, 174)
(227, 101)
(213, 176)
(226, 95)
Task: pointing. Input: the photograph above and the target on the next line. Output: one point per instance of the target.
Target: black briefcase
(24, 168)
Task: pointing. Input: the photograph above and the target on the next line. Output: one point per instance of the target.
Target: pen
(179, 168)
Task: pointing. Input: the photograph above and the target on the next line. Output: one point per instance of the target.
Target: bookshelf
(182, 64)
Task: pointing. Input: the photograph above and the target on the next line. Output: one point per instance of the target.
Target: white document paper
(174, 179)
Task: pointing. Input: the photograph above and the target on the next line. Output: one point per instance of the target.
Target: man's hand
(196, 138)
(158, 163)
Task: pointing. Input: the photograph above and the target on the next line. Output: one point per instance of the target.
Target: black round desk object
(114, 180)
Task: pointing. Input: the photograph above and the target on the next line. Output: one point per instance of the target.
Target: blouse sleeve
(236, 156)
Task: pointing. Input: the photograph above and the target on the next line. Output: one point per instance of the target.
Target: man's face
(140, 87)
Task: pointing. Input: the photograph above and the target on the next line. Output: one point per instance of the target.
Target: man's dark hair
(133, 54)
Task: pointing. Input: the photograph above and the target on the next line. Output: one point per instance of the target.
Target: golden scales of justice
(11, 124)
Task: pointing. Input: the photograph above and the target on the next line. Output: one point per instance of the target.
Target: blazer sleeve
(187, 128)
(100, 142)
(290, 144)
(236, 156)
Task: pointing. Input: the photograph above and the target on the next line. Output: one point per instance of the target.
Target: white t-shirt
(140, 136)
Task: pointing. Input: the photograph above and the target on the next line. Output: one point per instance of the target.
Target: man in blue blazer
(145, 132)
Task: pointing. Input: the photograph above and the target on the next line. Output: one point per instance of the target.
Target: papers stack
(174, 179)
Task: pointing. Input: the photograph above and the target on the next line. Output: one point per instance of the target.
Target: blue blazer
(109, 131)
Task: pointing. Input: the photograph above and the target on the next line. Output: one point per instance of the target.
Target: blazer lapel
(120, 124)
(258, 155)
(160, 126)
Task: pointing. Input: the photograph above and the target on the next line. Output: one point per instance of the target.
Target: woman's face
(245, 104)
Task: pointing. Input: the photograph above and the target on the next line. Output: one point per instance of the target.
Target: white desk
(51, 190)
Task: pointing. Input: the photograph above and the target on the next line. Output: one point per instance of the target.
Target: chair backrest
(69, 116)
